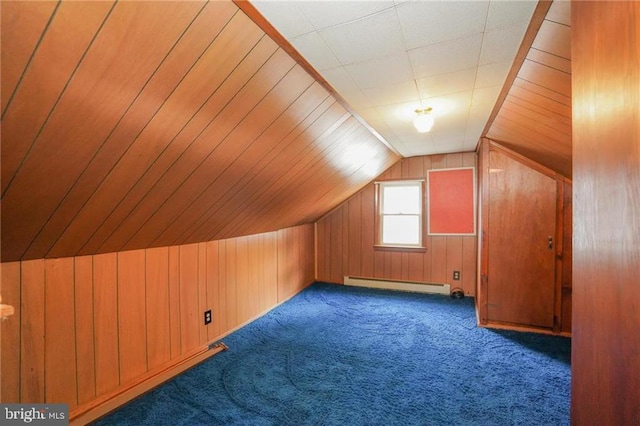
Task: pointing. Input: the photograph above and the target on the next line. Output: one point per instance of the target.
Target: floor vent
(398, 285)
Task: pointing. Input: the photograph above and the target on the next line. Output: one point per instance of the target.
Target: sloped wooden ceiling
(535, 116)
(138, 124)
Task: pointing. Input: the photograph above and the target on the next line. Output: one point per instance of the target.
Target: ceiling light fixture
(423, 121)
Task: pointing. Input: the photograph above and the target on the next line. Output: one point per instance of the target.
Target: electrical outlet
(207, 317)
(456, 275)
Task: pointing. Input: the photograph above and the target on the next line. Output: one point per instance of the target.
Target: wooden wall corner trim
(101, 406)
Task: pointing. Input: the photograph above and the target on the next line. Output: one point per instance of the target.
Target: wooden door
(521, 239)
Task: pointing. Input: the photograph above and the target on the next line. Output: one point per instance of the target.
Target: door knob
(550, 242)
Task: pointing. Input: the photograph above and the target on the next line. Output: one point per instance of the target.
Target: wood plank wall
(605, 351)
(345, 237)
(84, 326)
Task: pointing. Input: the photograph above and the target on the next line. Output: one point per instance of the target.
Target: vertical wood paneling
(105, 320)
(293, 270)
(354, 209)
(310, 249)
(213, 296)
(567, 257)
(10, 334)
(336, 274)
(368, 231)
(202, 291)
(157, 307)
(223, 303)
(174, 301)
(189, 316)
(231, 283)
(321, 242)
(84, 328)
(271, 267)
(283, 270)
(469, 265)
(244, 292)
(454, 259)
(32, 342)
(438, 259)
(256, 274)
(132, 316)
(605, 379)
(346, 237)
(60, 353)
(110, 318)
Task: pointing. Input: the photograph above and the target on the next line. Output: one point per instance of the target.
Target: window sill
(400, 248)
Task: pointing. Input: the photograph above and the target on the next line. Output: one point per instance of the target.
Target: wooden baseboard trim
(105, 404)
(523, 328)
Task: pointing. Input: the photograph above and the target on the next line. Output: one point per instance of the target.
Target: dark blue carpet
(336, 355)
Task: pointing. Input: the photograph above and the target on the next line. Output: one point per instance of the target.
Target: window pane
(401, 199)
(401, 230)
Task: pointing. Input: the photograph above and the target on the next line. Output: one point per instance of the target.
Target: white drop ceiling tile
(492, 74)
(367, 38)
(443, 84)
(315, 50)
(450, 126)
(486, 95)
(397, 144)
(378, 122)
(450, 147)
(450, 105)
(399, 93)
(448, 137)
(424, 147)
(501, 44)
(470, 145)
(384, 71)
(340, 80)
(428, 22)
(446, 57)
(410, 135)
(505, 13)
(357, 99)
(400, 116)
(480, 113)
(324, 14)
(286, 17)
(474, 128)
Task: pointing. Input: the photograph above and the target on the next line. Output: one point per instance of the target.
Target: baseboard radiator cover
(416, 287)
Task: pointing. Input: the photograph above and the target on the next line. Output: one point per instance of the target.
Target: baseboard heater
(414, 286)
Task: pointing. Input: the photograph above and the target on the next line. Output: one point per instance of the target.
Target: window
(400, 213)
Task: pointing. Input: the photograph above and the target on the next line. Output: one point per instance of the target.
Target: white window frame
(420, 183)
